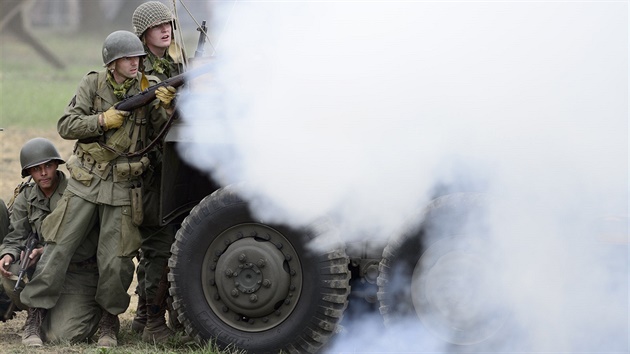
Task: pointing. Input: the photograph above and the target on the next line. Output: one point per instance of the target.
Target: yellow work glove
(112, 118)
(165, 94)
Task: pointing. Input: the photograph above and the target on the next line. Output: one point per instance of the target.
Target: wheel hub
(252, 277)
(252, 288)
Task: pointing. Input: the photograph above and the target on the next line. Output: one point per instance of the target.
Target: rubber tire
(316, 312)
(406, 254)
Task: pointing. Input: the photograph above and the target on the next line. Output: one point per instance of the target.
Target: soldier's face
(126, 68)
(45, 175)
(158, 36)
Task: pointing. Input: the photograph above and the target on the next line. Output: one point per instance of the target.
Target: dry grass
(12, 139)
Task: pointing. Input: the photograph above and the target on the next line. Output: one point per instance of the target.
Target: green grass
(129, 342)
(32, 92)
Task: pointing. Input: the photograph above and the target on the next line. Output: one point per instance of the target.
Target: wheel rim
(451, 290)
(252, 277)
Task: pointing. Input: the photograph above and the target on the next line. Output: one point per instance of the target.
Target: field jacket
(98, 174)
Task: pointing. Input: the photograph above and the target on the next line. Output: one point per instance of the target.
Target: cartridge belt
(122, 169)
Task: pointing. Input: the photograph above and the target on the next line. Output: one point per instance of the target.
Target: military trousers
(153, 260)
(75, 217)
(76, 315)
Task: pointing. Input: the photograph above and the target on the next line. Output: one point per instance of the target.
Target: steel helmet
(120, 44)
(149, 14)
(36, 152)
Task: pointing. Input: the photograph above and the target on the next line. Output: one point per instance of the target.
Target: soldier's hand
(165, 94)
(112, 118)
(35, 255)
(5, 263)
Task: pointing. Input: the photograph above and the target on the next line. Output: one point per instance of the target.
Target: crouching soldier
(75, 317)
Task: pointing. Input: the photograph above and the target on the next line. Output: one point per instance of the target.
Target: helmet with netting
(121, 44)
(150, 14)
(36, 152)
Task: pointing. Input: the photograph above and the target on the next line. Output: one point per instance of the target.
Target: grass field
(33, 95)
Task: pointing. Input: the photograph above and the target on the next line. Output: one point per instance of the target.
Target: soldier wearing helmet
(40, 159)
(104, 188)
(36, 152)
(153, 24)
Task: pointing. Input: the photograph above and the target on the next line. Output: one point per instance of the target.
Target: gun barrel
(18, 282)
(148, 95)
(202, 39)
(31, 243)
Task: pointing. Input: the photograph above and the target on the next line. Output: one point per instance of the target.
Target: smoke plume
(363, 111)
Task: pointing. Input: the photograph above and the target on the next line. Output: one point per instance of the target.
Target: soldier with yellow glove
(105, 184)
(112, 118)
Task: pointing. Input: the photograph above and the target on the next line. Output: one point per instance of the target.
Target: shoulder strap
(18, 189)
(98, 101)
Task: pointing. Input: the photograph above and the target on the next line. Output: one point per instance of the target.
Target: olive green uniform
(4, 220)
(5, 301)
(75, 316)
(98, 194)
(156, 239)
(4, 230)
(30, 208)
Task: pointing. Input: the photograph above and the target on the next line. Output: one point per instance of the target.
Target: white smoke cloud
(360, 109)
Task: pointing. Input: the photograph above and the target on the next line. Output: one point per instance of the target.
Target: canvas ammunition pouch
(84, 167)
(130, 170)
(77, 170)
(130, 238)
(126, 170)
(137, 212)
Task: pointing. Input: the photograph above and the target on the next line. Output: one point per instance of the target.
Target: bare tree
(13, 20)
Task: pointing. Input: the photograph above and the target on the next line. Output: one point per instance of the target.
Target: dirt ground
(11, 141)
